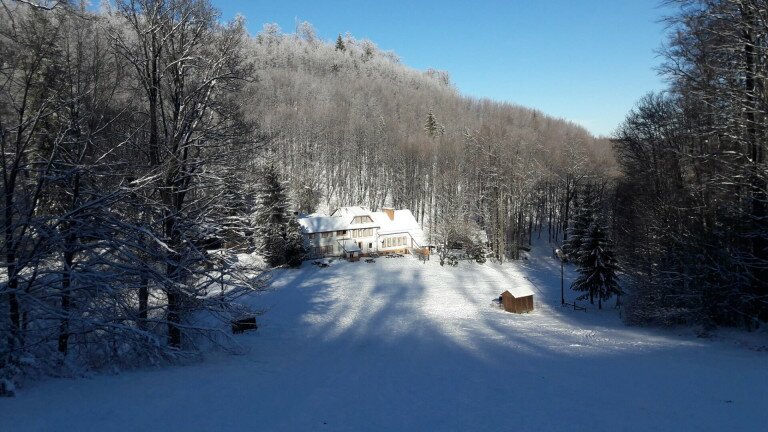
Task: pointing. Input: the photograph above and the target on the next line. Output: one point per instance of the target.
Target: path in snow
(401, 345)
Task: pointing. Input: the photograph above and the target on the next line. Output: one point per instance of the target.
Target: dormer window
(362, 219)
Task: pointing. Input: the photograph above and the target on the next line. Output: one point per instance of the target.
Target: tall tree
(597, 267)
(581, 225)
(188, 66)
(340, 44)
(272, 217)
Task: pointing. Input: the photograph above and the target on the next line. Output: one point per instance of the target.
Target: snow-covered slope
(402, 345)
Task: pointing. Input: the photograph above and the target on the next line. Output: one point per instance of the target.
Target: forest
(140, 143)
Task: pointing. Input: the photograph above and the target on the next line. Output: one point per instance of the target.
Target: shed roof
(520, 289)
(350, 246)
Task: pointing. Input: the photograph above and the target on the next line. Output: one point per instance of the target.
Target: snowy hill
(403, 345)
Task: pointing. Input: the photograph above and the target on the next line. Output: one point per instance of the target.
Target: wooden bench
(243, 324)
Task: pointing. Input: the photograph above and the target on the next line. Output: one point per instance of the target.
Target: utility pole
(561, 257)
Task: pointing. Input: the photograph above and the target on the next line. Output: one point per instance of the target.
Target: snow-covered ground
(401, 345)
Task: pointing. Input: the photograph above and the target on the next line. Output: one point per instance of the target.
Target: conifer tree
(272, 217)
(294, 244)
(340, 44)
(597, 267)
(432, 127)
(580, 226)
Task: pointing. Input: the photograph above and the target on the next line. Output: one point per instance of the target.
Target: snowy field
(399, 345)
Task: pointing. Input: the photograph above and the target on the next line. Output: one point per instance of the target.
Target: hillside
(401, 345)
(351, 125)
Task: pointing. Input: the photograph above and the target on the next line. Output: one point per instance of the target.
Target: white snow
(350, 246)
(316, 224)
(350, 212)
(403, 222)
(342, 218)
(398, 345)
(519, 287)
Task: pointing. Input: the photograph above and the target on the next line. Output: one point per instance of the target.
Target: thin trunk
(66, 279)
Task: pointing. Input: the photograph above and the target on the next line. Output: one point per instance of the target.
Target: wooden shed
(517, 300)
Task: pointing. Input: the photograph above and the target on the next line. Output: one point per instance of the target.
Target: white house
(354, 231)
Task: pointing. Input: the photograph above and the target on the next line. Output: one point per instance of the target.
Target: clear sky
(586, 61)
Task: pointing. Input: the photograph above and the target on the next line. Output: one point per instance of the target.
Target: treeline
(691, 205)
(353, 126)
(124, 149)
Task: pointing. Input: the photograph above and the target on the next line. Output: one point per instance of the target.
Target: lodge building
(355, 231)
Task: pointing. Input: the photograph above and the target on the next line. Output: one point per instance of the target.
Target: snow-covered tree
(581, 225)
(432, 127)
(597, 267)
(272, 217)
(307, 195)
(340, 44)
(295, 249)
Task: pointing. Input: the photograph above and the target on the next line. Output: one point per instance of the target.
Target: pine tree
(340, 44)
(294, 244)
(597, 267)
(580, 226)
(272, 217)
(432, 127)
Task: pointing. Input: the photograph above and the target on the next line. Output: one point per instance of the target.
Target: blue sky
(586, 61)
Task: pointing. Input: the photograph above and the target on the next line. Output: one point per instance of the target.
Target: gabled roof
(403, 222)
(520, 288)
(341, 219)
(350, 212)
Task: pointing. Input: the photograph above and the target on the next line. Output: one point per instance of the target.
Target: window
(326, 234)
(367, 232)
(361, 219)
(312, 236)
(370, 245)
(341, 233)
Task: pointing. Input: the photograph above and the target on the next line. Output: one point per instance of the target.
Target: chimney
(390, 212)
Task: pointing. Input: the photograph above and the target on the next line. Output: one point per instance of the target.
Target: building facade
(353, 231)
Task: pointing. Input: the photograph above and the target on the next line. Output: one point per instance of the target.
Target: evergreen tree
(580, 226)
(597, 267)
(340, 44)
(432, 127)
(272, 217)
(294, 244)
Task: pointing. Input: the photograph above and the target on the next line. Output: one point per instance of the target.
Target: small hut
(518, 299)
